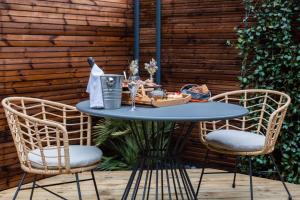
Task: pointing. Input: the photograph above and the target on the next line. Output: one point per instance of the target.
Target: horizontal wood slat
(44, 47)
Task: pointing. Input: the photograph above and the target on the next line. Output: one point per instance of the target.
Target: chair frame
(41, 129)
(271, 129)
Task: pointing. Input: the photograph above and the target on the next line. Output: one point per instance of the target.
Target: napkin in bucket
(94, 87)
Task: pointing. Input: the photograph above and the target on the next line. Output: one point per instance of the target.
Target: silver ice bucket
(112, 90)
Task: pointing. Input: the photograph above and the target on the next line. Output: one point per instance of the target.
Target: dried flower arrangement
(134, 67)
(151, 67)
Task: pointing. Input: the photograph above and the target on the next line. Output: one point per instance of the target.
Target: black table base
(161, 145)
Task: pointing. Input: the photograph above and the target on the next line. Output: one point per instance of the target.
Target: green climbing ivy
(271, 60)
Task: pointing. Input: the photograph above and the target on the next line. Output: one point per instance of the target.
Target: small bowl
(157, 94)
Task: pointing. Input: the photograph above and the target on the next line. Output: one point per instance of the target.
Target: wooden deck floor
(112, 184)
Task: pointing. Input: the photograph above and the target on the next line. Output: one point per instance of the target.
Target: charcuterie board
(170, 99)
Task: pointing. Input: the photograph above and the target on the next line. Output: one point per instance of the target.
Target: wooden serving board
(143, 99)
(171, 101)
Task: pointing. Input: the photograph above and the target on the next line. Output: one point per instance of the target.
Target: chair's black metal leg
(19, 186)
(78, 186)
(95, 185)
(281, 179)
(33, 187)
(44, 188)
(250, 175)
(235, 171)
(202, 173)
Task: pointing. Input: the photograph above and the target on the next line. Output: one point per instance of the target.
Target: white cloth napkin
(94, 88)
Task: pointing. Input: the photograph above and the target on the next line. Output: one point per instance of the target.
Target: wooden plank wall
(194, 50)
(43, 50)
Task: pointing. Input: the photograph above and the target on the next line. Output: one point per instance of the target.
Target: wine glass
(133, 86)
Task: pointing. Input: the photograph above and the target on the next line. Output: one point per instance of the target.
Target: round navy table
(161, 134)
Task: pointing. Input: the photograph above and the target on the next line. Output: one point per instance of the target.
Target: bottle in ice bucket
(111, 88)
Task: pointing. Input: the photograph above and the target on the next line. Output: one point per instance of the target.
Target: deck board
(112, 184)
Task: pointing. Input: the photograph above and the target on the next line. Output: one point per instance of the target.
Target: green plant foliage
(109, 128)
(116, 137)
(271, 60)
(119, 141)
(112, 164)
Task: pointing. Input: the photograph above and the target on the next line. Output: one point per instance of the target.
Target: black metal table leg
(189, 182)
(159, 162)
(130, 181)
(137, 183)
(178, 180)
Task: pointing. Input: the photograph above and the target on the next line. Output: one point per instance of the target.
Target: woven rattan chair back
(39, 124)
(267, 109)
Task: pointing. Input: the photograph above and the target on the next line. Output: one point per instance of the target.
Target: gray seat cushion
(80, 156)
(234, 140)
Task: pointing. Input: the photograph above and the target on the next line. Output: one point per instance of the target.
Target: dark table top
(186, 112)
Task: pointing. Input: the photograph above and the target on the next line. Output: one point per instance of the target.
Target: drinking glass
(133, 86)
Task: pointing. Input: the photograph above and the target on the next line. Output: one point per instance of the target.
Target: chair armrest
(274, 126)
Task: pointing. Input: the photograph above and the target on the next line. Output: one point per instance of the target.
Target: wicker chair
(51, 138)
(252, 135)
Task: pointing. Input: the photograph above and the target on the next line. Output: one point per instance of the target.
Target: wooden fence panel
(44, 46)
(194, 50)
